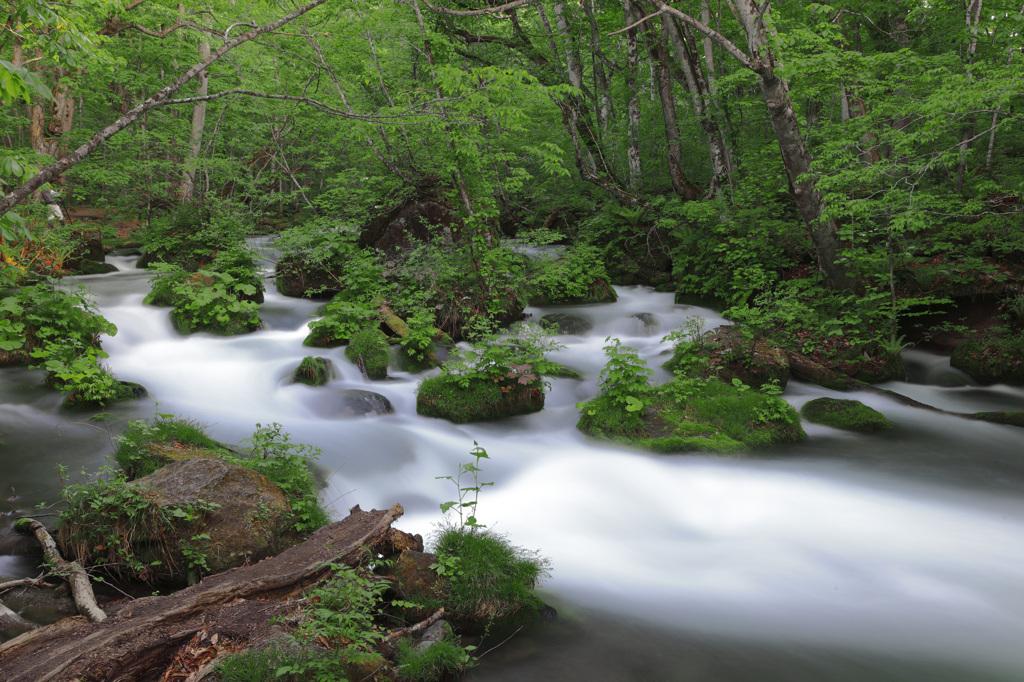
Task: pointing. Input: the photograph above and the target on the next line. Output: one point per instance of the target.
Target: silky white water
(863, 557)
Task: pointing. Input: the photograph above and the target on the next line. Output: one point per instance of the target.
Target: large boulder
(251, 511)
(850, 415)
(482, 400)
(991, 359)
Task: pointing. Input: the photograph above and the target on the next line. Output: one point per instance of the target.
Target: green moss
(146, 446)
(440, 661)
(370, 344)
(992, 359)
(404, 361)
(314, 371)
(849, 415)
(1013, 417)
(482, 400)
(490, 579)
(695, 415)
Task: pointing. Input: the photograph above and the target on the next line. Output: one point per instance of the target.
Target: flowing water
(847, 557)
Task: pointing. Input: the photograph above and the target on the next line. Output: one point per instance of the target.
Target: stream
(847, 557)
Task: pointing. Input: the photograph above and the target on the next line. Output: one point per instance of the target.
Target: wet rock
(415, 580)
(416, 221)
(357, 403)
(990, 359)
(648, 322)
(568, 324)
(849, 415)
(298, 279)
(246, 525)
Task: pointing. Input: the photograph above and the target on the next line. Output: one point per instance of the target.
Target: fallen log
(139, 640)
(24, 582)
(72, 571)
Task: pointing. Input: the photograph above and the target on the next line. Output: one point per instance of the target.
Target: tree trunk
(195, 142)
(633, 104)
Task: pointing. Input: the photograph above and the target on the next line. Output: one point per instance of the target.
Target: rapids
(846, 557)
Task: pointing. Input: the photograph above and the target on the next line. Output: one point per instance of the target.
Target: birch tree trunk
(633, 105)
(195, 142)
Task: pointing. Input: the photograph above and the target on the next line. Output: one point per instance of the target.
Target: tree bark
(633, 103)
(188, 181)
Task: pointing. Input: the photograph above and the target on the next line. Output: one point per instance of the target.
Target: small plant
(439, 661)
(464, 504)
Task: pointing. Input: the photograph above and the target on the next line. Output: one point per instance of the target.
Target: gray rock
(357, 403)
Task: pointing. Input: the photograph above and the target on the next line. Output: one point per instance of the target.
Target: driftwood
(802, 367)
(139, 640)
(72, 571)
(24, 582)
(399, 327)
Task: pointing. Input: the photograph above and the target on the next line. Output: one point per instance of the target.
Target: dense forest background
(828, 167)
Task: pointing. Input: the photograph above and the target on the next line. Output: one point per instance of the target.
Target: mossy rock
(482, 400)
(694, 415)
(371, 345)
(90, 267)
(404, 361)
(1011, 417)
(991, 359)
(314, 371)
(568, 324)
(849, 415)
(124, 392)
(728, 355)
(563, 372)
(247, 524)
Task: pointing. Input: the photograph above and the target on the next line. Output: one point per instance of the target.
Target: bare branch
(637, 23)
(498, 9)
(752, 64)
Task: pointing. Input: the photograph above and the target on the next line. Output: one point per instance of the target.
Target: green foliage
(464, 506)
(255, 665)
(623, 383)
(111, 523)
(326, 258)
(371, 345)
(136, 455)
(341, 319)
(343, 611)
(493, 580)
(440, 661)
(272, 453)
(206, 301)
(193, 235)
(572, 275)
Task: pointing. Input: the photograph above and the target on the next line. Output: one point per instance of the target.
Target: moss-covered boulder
(992, 359)
(850, 415)
(314, 371)
(1009, 417)
(483, 399)
(693, 414)
(564, 323)
(727, 354)
(371, 346)
(248, 513)
(300, 279)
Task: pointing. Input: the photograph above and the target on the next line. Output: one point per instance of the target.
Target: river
(847, 557)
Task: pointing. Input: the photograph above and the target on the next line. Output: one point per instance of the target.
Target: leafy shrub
(341, 319)
(192, 235)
